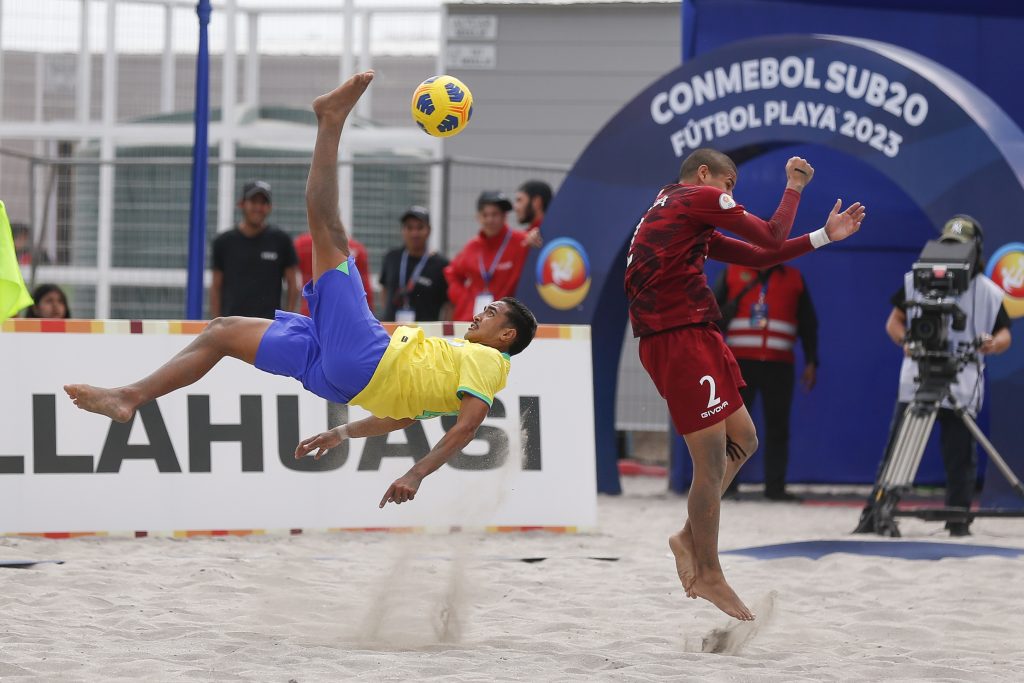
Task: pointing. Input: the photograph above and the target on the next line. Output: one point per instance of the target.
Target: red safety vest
(773, 338)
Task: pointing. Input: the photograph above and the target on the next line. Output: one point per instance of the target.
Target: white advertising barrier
(218, 455)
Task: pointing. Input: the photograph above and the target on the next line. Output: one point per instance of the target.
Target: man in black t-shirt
(251, 260)
(413, 279)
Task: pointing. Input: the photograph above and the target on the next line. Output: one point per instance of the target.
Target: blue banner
(882, 125)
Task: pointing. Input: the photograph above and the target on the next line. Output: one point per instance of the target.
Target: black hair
(716, 161)
(41, 291)
(537, 188)
(19, 229)
(522, 319)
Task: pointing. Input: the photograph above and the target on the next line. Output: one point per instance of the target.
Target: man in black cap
(489, 266)
(251, 260)
(412, 277)
(988, 326)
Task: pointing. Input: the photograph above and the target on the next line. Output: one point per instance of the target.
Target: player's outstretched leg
(740, 444)
(330, 244)
(708, 452)
(235, 336)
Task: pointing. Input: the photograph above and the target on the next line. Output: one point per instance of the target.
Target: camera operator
(988, 330)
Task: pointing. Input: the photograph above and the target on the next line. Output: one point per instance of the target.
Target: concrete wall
(561, 72)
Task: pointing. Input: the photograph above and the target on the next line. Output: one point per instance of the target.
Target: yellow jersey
(423, 377)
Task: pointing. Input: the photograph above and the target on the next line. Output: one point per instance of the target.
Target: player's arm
(740, 253)
(719, 209)
(770, 234)
(368, 426)
(839, 226)
(472, 412)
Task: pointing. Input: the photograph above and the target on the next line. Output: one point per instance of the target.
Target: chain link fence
(57, 198)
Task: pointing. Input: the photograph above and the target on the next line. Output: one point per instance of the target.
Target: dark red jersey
(665, 281)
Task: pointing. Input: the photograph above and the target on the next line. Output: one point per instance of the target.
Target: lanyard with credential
(759, 310)
(408, 285)
(487, 274)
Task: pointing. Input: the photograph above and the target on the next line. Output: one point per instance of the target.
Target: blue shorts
(336, 351)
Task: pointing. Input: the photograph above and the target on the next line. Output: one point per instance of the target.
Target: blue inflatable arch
(935, 136)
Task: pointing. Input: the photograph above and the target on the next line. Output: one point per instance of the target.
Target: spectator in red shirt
(488, 267)
(304, 248)
(532, 200)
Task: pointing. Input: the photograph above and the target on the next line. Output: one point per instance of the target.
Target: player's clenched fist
(798, 173)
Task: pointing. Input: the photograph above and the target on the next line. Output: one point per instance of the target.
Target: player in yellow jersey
(342, 353)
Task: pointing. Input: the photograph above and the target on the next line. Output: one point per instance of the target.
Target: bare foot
(335, 105)
(715, 590)
(109, 402)
(681, 545)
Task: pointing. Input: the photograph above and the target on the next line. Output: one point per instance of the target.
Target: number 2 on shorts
(712, 400)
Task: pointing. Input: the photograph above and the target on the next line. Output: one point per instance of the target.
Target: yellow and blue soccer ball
(442, 106)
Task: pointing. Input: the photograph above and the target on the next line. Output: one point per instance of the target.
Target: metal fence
(58, 199)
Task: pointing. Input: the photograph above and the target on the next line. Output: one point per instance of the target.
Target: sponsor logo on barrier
(248, 433)
(563, 274)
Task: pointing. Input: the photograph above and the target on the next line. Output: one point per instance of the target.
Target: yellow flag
(13, 295)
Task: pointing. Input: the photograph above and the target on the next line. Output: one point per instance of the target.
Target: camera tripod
(903, 459)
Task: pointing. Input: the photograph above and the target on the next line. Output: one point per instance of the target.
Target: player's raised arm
(715, 205)
(838, 227)
(472, 412)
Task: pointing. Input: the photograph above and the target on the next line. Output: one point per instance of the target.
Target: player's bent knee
(219, 328)
(739, 447)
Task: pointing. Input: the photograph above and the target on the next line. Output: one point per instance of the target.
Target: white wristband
(819, 238)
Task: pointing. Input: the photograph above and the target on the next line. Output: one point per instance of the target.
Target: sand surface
(332, 607)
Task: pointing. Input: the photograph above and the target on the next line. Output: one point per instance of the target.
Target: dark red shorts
(696, 373)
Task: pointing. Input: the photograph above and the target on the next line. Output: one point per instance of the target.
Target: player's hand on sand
(404, 489)
(842, 224)
(798, 173)
(321, 443)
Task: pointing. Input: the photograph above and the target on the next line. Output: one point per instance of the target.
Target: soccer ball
(442, 106)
